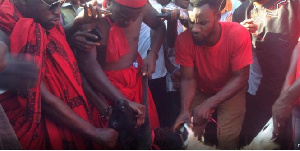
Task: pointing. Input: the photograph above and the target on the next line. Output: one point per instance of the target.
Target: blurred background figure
(70, 10)
(274, 27)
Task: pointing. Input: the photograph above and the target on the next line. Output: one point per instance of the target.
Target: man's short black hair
(218, 5)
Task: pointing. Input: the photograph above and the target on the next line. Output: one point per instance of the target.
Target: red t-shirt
(214, 66)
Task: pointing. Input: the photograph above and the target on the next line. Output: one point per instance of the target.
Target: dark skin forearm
(235, 84)
(187, 88)
(157, 37)
(58, 111)
(291, 74)
(170, 67)
(4, 49)
(171, 33)
(158, 28)
(97, 99)
(292, 93)
(93, 72)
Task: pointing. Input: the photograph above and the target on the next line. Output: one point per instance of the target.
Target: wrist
(173, 72)
(90, 132)
(149, 51)
(107, 112)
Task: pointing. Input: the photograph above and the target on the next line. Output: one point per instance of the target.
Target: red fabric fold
(132, 3)
(58, 70)
(117, 45)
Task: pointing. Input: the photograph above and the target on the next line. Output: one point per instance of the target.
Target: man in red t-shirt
(214, 58)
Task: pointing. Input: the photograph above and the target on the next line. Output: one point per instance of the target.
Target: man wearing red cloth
(54, 114)
(114, 68)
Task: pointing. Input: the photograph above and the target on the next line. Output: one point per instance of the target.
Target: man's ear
(218, 15)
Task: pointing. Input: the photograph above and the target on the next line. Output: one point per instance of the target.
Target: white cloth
(144, 45)
(255, 75)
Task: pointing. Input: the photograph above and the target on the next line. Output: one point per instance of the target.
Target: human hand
(106, 136)
(175, 13)
(184, 117)
(249, 25)
(19, 74)
(78, 40)
(202, 113)
(281, 112)
(149, 63)
(140, 109)
(90, 14)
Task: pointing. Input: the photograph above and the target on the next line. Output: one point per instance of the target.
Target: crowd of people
(64, 64)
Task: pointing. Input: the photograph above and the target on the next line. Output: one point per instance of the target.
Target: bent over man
(214, 65)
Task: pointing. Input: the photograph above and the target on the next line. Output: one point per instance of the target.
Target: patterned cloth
(58, 70)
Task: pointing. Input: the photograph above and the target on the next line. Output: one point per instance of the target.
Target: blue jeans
(296, 127)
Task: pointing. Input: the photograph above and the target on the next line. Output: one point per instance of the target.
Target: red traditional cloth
(132, 3)
(129, 82)
(58, 70)
(117, 45)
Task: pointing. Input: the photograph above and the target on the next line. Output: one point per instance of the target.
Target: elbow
(244, 78)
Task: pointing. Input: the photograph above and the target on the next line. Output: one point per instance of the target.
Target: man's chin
(48, 27)
(198, 42)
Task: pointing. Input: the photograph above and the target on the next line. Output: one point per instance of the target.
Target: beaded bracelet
(106, 112)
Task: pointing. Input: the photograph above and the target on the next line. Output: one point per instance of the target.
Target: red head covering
(132, 3)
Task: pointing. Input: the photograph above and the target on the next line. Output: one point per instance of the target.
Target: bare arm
(236, 83)
(291, 74)
(55, 109)
(93, 72)
(157, 34)
(282, 108)
(4, 43)
(98, 100)
(187, 94)
(188, 88)
(172, 32)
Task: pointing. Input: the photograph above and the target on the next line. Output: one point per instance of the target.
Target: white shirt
(144, 45)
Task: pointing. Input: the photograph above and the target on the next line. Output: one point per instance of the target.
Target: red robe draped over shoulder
(58, 70)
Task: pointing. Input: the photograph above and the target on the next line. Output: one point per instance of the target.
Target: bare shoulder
(149, 17)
